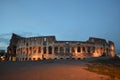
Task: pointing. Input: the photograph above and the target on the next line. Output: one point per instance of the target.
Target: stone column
(70, 50)
(53, 50)
(47, 50)
(42, 49)
(64, 50)
(58, 50)
(81, 49)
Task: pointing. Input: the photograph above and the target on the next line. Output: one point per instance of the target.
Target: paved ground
(48, 70)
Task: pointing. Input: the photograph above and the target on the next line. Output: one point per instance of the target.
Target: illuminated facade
(47, 47)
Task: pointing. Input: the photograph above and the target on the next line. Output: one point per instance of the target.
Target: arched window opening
(61, 50)
(73, 50)
(78, 49)
(50, 49)
(93, 49)
(88, 50)
(34, 49)
(67, 49)
(30, 50)
(39, 49)
(44, 50)
(83, 49)
(27, 50)
(56, 50)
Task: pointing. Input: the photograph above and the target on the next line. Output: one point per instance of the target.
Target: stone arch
(39, 49)
(83, 49)
(78, 49)
(30, 59)
(26, 59)
(61, 49)
(67, 50)
(88, 49)
(20, 50)
(34, 59)
(23, 49)
(27, 50)
(34, 49)
(38, 59)
(73, 50)
(23, 59)
(50, 49)
(30, 50)
(93, 49)
(44, 50)
(56, 50)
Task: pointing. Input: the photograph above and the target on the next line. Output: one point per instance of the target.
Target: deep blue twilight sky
(66, 19)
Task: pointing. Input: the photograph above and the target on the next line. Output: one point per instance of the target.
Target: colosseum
(47, 47)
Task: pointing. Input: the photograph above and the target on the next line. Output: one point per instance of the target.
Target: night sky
(66, 19)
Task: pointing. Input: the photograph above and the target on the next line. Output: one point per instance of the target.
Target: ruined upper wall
(98, 41)
(14, 39)
(37, 40)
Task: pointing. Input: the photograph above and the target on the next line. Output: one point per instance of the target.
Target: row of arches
(56, 49)
(34, 49)
(60, 50)
(30, 59)
(86, 49)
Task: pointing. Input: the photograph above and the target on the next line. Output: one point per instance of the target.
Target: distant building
(118, 55)
(2, 55)
(47, 47)
(2, 52)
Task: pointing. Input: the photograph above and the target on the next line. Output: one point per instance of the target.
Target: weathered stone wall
(47, 47)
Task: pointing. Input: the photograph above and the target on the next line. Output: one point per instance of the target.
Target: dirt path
(48, 71)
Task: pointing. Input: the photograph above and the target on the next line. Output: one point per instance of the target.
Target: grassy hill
(110, 67)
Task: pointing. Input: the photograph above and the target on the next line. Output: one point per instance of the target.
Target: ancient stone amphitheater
(47, 47)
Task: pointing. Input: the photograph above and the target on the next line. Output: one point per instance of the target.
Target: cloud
(5, 35)
(4, 43)
(5, 38)
(27, 34)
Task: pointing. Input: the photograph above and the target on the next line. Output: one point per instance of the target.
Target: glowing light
(2, 58)
(112, 47)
